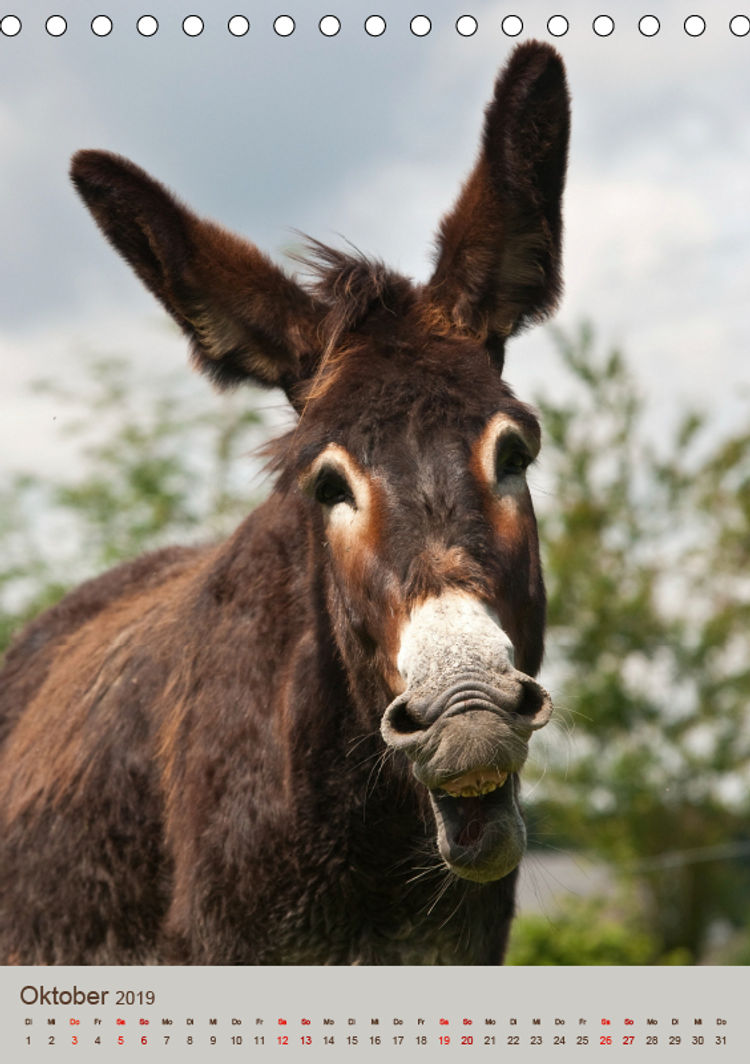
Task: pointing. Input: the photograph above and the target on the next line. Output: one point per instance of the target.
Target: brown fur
(192, 768)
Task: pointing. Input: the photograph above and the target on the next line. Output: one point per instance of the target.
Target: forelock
(353, 287)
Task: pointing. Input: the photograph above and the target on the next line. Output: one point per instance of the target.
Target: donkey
(302, 745)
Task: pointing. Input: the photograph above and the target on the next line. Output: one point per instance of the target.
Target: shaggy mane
(353, 288)
(351, 285)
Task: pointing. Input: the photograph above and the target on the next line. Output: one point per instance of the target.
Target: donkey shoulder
(36, 647)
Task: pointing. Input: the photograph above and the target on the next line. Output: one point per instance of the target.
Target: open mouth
(480, 832)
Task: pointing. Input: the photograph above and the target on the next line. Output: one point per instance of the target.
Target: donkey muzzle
(464, 720)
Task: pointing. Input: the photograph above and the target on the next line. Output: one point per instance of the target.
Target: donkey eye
(331, 488)
(512, 459)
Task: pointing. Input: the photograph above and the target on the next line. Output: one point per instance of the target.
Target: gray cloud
(371, 139)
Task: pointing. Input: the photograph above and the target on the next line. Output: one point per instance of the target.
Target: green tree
(587, 931)
(157, 463)
(647, 562)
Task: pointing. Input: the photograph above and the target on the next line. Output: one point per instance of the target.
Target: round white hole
(101, 26)
(10, 26)
(649, 25)
(420, 25)
(467, 25)
(192, 25)
(603, 25)
(55, 25)
(740, 25)
(375, 25)
(329, 25)
(147, 25)
(238, 25)
(512, 25)
(558, 26)
(695, 26)
(284, 25)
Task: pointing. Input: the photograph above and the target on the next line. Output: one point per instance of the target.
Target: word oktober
(53, 995)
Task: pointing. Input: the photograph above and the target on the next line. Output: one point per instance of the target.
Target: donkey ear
(498, 251)
(245, 318)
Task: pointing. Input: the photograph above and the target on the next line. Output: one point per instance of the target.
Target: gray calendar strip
(318, 1014)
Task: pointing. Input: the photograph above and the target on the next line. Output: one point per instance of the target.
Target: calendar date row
(353, 1040)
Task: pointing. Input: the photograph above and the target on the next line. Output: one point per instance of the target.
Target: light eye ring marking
(512, 456)
(504, 452)
(331, 488)
(335, 482)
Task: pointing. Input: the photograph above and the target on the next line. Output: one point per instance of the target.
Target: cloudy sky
(370, 138)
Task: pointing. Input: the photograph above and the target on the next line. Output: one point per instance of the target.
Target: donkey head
(410, 452)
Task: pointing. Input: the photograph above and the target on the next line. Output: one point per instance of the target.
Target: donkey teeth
(478, 790)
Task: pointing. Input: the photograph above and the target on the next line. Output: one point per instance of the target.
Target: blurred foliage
(647, 564)
(593, 931)
(734, 950)
(156, 465)
(647, 561)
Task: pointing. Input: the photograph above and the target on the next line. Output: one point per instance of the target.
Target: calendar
(316, 1014)
(364, 118)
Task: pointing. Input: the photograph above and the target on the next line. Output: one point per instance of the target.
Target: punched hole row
(375, 25)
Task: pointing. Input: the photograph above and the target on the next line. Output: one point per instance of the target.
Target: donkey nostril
(534, 705)
(531, 701)
(401, 721)
(404, 723)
